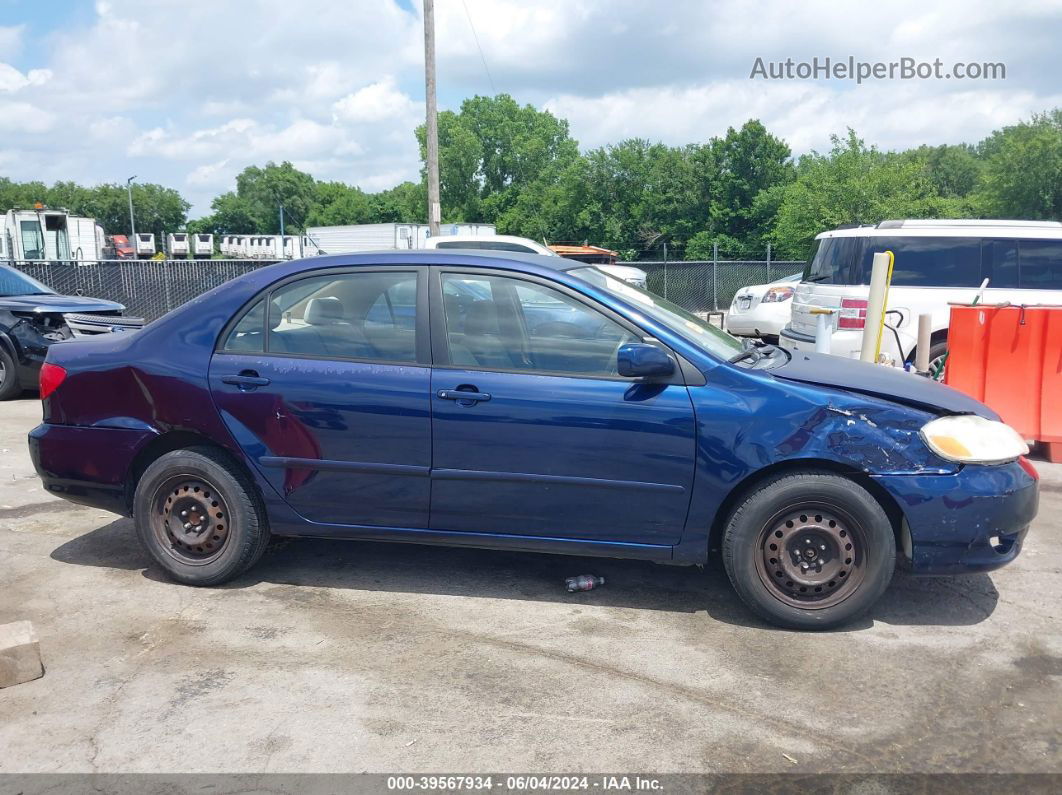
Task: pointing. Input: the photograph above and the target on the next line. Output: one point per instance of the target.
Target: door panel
(343, 442)
(550, 442)
(325, 384)
(562, 457)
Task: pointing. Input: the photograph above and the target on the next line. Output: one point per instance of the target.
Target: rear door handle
(245, 380)
(460, 394)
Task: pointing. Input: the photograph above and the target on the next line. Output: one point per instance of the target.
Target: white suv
(937, 262)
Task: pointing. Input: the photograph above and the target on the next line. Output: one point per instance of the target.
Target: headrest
(324, 311)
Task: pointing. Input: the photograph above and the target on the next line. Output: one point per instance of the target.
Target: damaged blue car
(525, 403)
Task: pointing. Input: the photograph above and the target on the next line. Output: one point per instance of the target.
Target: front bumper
(974, 520)
(87, 465)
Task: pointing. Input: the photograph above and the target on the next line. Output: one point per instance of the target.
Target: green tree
(406, 202)
(491, 151)
(741, 174)
(1023, 169)
(268, 188)
(954, 170)
(339, 204)
(852, 184)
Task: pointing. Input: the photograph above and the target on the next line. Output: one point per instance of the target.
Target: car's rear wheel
(811, 550)
(9, 385)
(198, 516)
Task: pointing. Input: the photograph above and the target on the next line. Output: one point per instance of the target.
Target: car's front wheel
(811, 550)
(198, 516)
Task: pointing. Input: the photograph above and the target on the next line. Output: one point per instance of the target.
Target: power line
(482, 57)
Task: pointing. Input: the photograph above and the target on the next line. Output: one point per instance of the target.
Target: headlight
(973, 440)
(776, 294)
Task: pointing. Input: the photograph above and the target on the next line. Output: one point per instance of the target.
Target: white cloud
(377, 102)
(12, 80)
(188, 93)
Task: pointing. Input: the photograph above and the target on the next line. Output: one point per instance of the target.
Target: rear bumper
(755, 322)
(974, 520)
(86, 465)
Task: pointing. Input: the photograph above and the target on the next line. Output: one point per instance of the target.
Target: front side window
(837, 260)
(346, 316)
(501, 323)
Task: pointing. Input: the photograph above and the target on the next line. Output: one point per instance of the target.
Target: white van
(937, 262)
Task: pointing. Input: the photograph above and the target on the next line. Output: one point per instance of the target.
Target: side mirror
(638, 360)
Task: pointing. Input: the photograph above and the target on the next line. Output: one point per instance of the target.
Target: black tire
(792, 516)
(936, 351)
(226, 532)
(9, 383)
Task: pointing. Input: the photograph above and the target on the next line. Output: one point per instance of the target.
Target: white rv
(177, 245)
(202, 245)
(144, 245)
(373, 237)
(52, 235)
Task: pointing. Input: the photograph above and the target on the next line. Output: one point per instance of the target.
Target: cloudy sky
(189, 92)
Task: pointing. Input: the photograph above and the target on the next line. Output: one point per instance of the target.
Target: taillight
(52, 375)
(776, 294)
(853, 313)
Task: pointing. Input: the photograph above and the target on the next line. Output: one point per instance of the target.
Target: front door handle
(461, 395)
(246, 380)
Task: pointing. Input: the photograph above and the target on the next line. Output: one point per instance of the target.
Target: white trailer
(53, 235)
(202, 245)
(371, 237)
(144, 245)
(292, 247)
(177, 245)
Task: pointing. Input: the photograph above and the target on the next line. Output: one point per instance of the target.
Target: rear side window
(370, 316)
(999, 259)
(1041, 264)
(930, 261)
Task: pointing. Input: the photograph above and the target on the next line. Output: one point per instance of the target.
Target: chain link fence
(151, 288)
(147, 288)
(710, 286)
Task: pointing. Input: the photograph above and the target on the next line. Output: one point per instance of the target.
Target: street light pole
(432, 121)
(132, 223)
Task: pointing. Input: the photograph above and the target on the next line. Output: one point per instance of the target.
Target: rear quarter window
(1040, 264)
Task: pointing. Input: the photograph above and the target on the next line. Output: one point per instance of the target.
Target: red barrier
(1010, 357)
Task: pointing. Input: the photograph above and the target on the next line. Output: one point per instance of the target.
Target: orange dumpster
(1010, 357)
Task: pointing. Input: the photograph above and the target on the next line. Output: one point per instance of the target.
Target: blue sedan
(531, 403)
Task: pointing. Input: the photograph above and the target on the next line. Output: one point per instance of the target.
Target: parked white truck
(373, 237)
(53, 235)
(145, 245)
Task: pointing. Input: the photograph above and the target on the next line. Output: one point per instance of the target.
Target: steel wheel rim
(938, 361)
(3, 372)
(190, 520)
(811, 556)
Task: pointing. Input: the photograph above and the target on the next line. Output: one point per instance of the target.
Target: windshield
(13, 282)
(712, 339)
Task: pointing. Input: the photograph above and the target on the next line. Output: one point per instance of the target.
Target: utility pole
(281, 224)
(432, 125)
(132, 223)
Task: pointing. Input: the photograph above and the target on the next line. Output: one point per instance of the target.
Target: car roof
(478, 257)
(958, 227)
